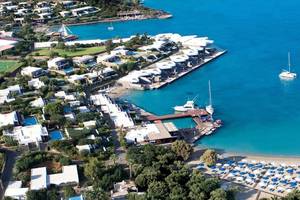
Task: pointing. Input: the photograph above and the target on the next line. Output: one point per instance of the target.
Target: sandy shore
(198, 151)
(118, 91)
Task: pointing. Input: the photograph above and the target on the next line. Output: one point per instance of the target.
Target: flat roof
(38, 178)
(163, 133)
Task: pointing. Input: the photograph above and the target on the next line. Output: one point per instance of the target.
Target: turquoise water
(261, 113)
(56, 135)
(28, 121)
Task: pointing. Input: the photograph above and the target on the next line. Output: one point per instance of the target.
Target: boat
(110, 28)
(65, 33)
(189, 105)
(209, 108)
(287, 74)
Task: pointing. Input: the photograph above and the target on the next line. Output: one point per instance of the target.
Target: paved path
(8, 169)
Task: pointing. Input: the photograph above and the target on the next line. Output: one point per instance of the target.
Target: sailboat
(288, 75)
(66, 34)
(110, 28)
(209, 108)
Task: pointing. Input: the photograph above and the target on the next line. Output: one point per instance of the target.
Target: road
(8, 169)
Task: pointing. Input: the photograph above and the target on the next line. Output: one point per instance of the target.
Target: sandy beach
(195, 158)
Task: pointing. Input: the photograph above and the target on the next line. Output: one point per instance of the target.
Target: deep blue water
(261, 113)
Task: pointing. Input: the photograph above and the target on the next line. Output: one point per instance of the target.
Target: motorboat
(189, 105)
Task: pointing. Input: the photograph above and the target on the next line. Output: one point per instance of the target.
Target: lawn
(9, 65)
(77, 52)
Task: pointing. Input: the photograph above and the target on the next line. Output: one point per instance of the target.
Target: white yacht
(189, 105)
(287, 74)
(209, 108)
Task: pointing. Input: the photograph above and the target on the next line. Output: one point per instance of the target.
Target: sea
(261, 113)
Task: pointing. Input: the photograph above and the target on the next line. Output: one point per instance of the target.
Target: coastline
(277, 159)
(108, 20)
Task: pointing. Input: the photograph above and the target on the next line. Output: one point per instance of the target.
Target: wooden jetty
(196, 113)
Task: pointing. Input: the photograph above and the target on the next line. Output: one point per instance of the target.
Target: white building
(38, 103)
(87, 60)
(28, 134)
(33, 72)
(36, 83)
(6, 95)
(119, 117)
(41, 180)
(152, 133)
(9, 119)
(87, 10)
(15, 190)
(58, 63)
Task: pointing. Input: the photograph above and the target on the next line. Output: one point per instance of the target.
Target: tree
(96, 194)
(157, 190)
(182, 149)
(218, 194)
(177, 193)
(148, 175)
(209, 157)
(94, 169)
(68, 192)
(36, 194)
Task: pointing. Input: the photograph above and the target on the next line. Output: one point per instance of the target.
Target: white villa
(9, 119)
(33, 72)
(6, 95)
(41, 180)
(28, 134)
(87, 10)
(15, 190)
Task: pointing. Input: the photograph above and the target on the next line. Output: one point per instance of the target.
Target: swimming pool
(28, 121)
(56, 135)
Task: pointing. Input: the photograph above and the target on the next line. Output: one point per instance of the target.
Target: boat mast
(209, 92)
(289, 61)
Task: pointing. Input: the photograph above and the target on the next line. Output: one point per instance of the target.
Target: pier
(191, 113)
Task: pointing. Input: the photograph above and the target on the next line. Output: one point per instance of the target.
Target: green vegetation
(96, 194)
(42, 194)
(68, 192)
(70, 52)
(182, 149)
(159, 172)
(209, 157)
(2, 160)
(7, 66)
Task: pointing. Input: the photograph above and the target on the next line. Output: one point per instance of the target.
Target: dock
(191, 113)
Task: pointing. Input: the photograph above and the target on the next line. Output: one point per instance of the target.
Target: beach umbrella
(263, 162)
(249, 180)
(226, 165)
(251, 175)
(253, 161)
(287, 177)
(298, 172)
(280, 169)
(218, 164)
(244, 160)
(297, 179)
(280, 189)
(283, 181)
(274, 179)
(230, 175)
(239, 178)
(288, 190)
(262, 184)
(265, 177)
(271, 187)
(283, 165)
(222, 169)
(257, 171)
